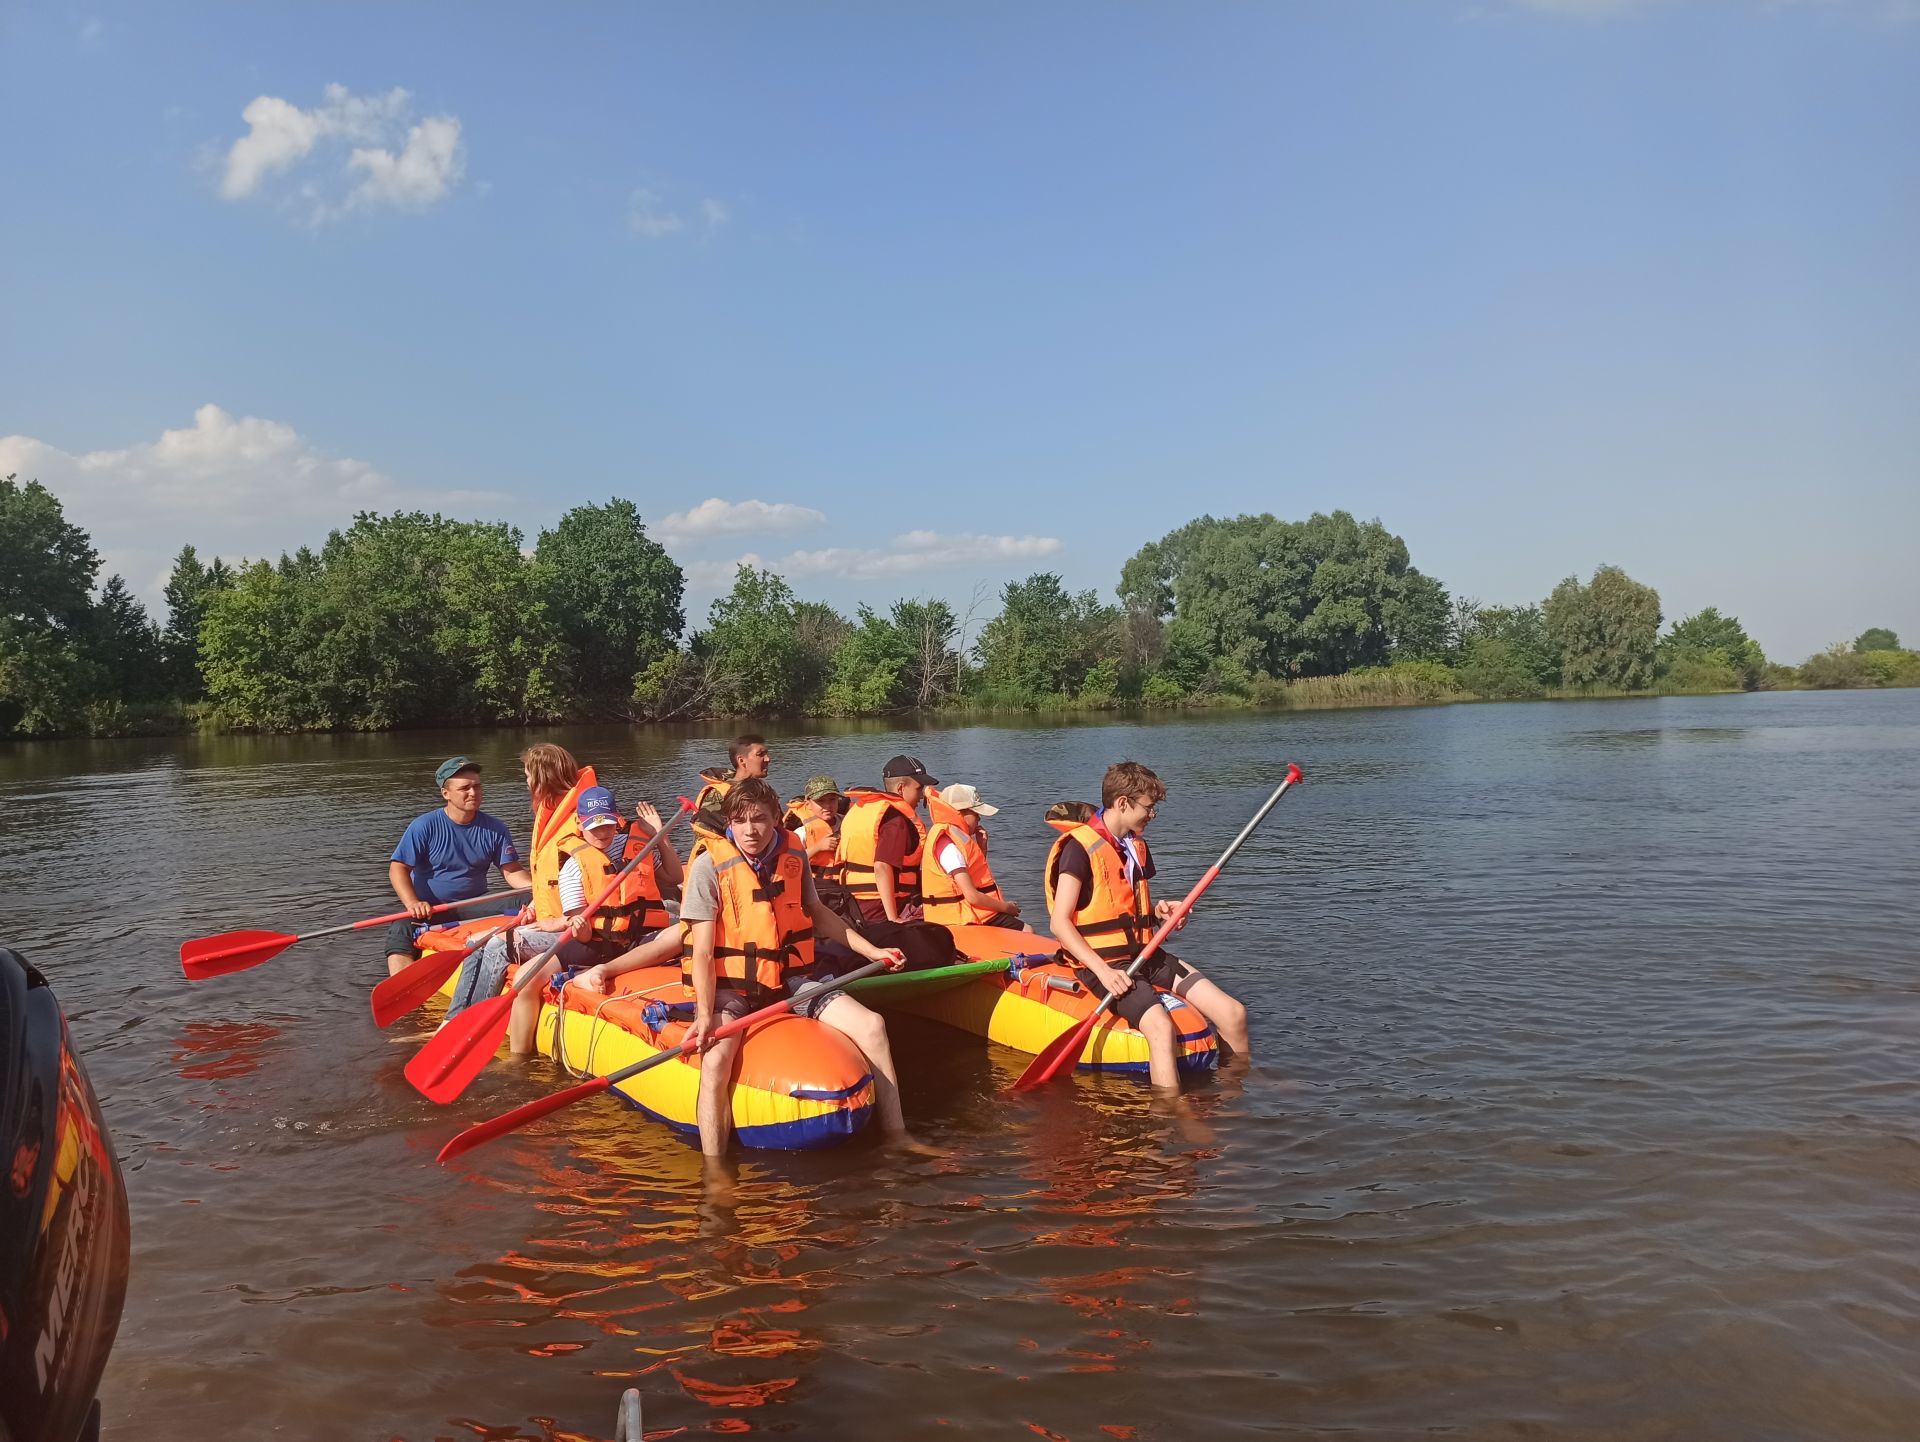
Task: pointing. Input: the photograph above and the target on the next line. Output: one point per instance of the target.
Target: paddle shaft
(506, 1122)
(1050, 1062)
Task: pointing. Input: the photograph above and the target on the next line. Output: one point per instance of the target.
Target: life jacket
(715, 783)
(553, 825)
(860, 843)
(945, 902)
(635, 907)
(1117, 918)
(763, 931)
(818, 839)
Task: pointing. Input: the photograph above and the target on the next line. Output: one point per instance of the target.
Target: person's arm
(400, 877)
(666, 861)
(573, 900)
(830, 925)
(1066, 901)
(984, 900)
(703, 985)
(883, 883)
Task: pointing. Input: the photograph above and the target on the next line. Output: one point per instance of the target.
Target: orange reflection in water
(222, 1050)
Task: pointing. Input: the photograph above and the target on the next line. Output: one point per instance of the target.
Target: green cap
(818, 786)
(452, 767)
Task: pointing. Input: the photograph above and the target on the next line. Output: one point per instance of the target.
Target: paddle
(461, 1049)
(237, 950)
(1064, 1050)
(487, 1130)
(410, 986)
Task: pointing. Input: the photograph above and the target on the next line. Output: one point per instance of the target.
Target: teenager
(1100, 903)
(751, 916)
(882, 849)
(956, 879)
(445, 856)
(748, 759)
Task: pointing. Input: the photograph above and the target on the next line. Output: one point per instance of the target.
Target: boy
(955, 877)
(1102, 911)
(751, 915)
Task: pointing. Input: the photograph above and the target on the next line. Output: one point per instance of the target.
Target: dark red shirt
(893, 842)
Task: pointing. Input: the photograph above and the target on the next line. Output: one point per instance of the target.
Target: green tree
(1692, 644)
(1528, 647)
(47, 566)
(1606, 631)
(1044, 641)
(870, 668)
(614, 595)
(1837, 668)
(1492, 667)
(126, 646)
(1876, 638)
(187, 593)
(756, 662)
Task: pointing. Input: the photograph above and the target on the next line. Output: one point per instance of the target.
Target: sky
(916, 300)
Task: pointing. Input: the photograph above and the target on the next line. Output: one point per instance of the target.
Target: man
(955, 877)
(751, 916)
(445, 855)
(1102, 911)
(750, 760)
(881, 842)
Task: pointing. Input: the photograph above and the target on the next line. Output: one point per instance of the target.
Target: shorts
(731, 1005)
(484, 973)
(399, 935)
(1000, 918)
(1161, 973)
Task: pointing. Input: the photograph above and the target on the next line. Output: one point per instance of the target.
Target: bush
(1491, 668)
(1691, 672)
(1161, 691)
(1836, 669)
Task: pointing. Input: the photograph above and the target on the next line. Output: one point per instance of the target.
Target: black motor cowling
(63, 1222)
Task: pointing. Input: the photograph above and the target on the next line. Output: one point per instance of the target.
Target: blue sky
(955, 293)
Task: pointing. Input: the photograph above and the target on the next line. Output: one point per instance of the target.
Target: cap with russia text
(597, 807)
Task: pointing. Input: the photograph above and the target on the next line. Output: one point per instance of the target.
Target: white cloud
(905, 555)
(231, 485)
(92, 30)
(715, 517)
(408, 167)
(649, 219)
(714, 212)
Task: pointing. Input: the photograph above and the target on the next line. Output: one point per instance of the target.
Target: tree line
(414, 619)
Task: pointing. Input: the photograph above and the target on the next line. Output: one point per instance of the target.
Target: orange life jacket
(860, 844)
(553, 825)
(814, 822)
(945, 902)
(635, 906)
(715, 783)
(1117, 918)
(762, 931)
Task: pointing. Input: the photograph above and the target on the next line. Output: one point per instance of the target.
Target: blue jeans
(484, 973)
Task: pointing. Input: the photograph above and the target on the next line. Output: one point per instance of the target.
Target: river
(1583, 1106)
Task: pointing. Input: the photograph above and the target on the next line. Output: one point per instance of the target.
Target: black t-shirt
(1073, 861)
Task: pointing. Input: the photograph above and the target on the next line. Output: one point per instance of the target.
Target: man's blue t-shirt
(450, 861)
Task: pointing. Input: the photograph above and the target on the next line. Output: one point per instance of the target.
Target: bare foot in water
(907, 1142)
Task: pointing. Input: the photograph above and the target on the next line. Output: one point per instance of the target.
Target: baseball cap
(908, 766)
(964, 798)
(596, 807)
(452, 767)
(818, 786)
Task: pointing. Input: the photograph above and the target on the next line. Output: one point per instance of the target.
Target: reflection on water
(1583, 1108)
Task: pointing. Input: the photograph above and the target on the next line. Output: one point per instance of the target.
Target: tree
(1876, 638)
(125, 646)
(1605, 631)
(756, 662)
(47, 568)
(1045, 640)
(188, 590)
(1836, 669)
(1528, 648)
(1705, 645)
(614, 595)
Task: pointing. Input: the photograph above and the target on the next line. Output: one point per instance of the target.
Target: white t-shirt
(951, 858)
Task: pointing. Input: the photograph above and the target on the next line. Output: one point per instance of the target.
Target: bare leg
(867, 1030)
(659, 949)
(1229, 1017)
(714, 1109)
(398, 961)
(525, 1020)
(1163, 1064)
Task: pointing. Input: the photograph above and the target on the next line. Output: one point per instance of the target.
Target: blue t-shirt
(450, 861)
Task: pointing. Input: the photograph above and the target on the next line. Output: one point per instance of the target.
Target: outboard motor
(63, 1222)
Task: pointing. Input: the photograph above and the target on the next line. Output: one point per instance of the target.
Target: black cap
(908, 766)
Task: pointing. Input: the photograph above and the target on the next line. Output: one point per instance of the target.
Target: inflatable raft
(800, 1085)
(1028, 1000)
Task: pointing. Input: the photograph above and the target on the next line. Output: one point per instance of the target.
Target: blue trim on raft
(804, 1134)
(821, 1094)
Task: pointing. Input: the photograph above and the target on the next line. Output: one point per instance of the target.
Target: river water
(1583, 1106)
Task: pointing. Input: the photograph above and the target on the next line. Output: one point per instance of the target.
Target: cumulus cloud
(231, 485)
(388, 161)
(715, 517)
(651, 217)
(908, 554)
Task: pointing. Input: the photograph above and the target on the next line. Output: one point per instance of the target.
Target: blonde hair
(551, 772)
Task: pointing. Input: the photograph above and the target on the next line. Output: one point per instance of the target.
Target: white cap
(965, 798)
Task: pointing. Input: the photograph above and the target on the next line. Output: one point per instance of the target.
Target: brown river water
(1584, 1106)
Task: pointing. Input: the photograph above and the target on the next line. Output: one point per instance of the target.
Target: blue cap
(596, 804)
(452, 767)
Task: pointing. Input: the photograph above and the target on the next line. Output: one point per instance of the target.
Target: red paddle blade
(407, 988)
(1058, 1055)
(460, 1050)
(492, 1127)
(231, 951)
